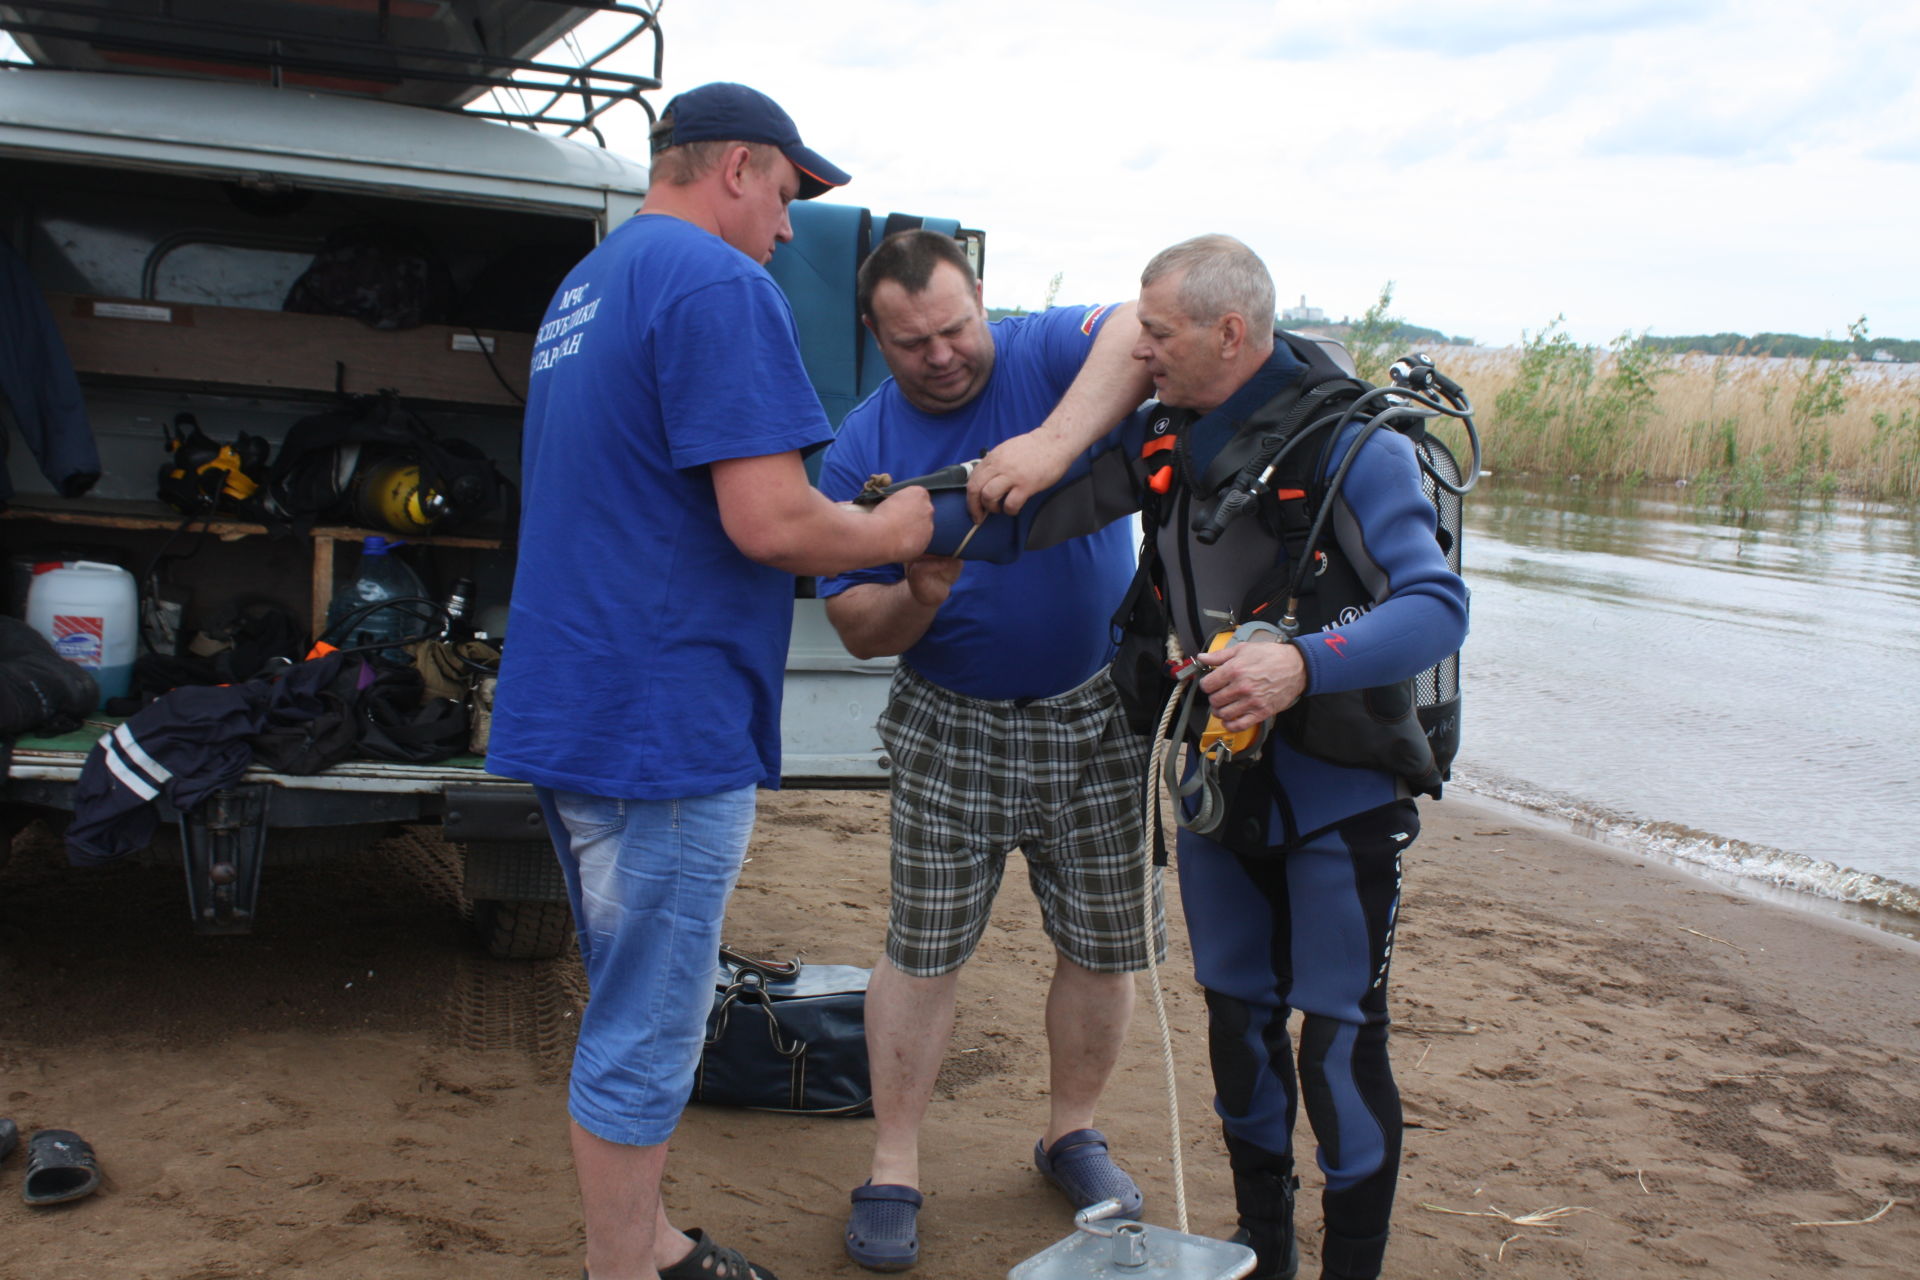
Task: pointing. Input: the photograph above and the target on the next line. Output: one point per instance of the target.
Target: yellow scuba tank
(389, 494)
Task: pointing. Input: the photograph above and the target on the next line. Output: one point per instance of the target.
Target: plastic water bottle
(382, 576)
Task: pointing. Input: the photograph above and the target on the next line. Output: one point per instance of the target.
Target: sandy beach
(1609, 1069)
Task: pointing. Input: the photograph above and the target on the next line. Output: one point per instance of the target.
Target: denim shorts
(649, 882)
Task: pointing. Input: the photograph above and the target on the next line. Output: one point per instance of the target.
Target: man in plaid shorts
(1003, 726)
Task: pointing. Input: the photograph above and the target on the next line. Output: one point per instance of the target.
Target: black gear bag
(789, 1037)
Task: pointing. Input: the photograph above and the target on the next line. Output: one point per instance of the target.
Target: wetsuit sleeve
(1098, 489)
(1386, 528)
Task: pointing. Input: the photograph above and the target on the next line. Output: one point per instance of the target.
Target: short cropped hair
(689, 162)
(1222, 276)
(908, 258)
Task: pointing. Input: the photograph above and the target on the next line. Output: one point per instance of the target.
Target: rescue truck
(174, 176)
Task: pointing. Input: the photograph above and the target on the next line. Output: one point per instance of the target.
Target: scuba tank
(375, 462)
(390, 494)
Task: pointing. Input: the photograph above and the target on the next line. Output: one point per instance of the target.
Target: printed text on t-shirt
(545, 356)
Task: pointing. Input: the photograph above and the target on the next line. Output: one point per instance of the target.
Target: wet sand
(1609, 1069)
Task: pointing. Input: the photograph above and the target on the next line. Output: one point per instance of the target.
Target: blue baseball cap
(723, 112)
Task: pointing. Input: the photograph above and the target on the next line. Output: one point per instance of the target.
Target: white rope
(1152, 822)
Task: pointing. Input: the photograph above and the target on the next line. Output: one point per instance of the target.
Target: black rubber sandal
(9, 1137)
(710, 1261)
(60, 1167)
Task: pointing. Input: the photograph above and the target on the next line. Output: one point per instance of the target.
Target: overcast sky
(1678, 166)
(1673, 166)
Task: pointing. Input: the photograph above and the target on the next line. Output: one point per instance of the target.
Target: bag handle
(750, 991)
(741, 961)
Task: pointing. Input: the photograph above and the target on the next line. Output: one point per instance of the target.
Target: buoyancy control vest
(1266, 500)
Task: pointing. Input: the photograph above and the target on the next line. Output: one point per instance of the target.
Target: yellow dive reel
(1215, 742)
(1218, 752)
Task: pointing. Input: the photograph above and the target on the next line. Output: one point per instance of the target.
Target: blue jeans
(649, 882)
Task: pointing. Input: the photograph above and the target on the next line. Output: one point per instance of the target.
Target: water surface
(1745, 696)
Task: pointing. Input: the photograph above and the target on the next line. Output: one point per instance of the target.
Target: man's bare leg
(1087, 1017)
(628, 1235)
(909, 1022)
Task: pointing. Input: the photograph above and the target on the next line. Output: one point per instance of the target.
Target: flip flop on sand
(60, 1167)
(882, 1231)
(1079, 1165)
(9, 1137)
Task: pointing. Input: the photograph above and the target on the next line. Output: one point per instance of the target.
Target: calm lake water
(1745, 698)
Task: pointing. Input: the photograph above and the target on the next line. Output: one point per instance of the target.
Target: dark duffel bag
(784, 1036)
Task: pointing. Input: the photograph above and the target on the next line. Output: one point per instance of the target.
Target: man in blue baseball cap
(664, 498)
(723, 112)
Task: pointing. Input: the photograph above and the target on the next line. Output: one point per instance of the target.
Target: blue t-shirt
(645, 655)
(1038, 626)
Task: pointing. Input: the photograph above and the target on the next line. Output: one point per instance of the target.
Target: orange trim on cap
(811, 174)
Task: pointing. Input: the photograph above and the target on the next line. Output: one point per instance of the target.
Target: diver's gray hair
(1222, 276)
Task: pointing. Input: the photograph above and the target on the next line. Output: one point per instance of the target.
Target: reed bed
(1741, 427)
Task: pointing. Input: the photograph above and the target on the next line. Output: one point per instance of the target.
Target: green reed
(1737, 427)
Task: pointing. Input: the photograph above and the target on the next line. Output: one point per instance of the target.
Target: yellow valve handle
(1215, 741)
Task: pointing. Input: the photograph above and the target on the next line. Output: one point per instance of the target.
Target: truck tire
(516, 929)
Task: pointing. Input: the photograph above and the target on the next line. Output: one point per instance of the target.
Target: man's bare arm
(1109, 386)
(880, 619)
(774, 516)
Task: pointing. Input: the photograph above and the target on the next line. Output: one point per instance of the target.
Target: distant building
(1303, 314)
(1881, 354)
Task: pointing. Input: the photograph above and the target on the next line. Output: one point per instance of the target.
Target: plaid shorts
(1059, 778)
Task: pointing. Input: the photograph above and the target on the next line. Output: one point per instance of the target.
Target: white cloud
(1674, 165)
(1464, 29)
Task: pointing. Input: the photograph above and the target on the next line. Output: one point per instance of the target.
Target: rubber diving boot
(1351, 1258)
(1263, 1192)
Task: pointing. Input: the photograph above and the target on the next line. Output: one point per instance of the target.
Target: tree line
(1788, 345)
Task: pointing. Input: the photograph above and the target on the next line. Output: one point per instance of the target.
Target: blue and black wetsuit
(1305, 922)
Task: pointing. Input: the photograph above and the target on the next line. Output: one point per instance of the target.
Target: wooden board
(267, 351)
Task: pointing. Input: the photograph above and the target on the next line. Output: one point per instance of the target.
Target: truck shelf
(108, 513)
(194, 347)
